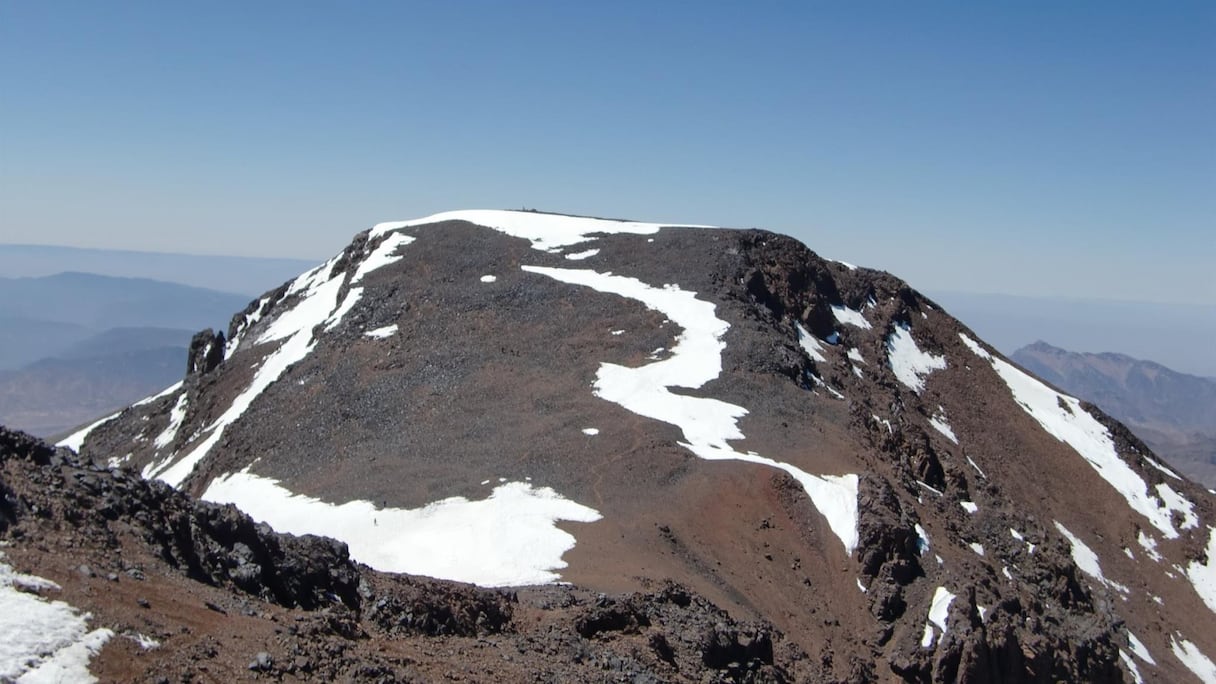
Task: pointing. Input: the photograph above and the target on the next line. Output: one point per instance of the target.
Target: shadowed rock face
(815, 448)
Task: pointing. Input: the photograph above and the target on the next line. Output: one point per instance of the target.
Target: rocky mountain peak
(518, 398)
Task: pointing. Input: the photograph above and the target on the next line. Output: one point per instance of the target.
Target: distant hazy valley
(75, 345)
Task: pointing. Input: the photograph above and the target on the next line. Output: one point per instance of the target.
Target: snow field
(508, 539)
(41, 640)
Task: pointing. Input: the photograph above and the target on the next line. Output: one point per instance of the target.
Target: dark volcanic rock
(206, 352)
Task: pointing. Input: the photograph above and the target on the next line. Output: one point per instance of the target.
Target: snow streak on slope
(908, 362)
(319, 293)
(696, 358)
(1086, 559)
(176, 416)
(1195, 660)
(548, 232)
(76, 440)
(1139, 649)
(1131, 667)
(384, 254)
(1062, 417)
(1203, 575)
(810, 345)
(508, 539)
(318, 290)
(939, 423)
(40, 640)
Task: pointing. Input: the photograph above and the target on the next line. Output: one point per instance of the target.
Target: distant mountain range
(245, 275)
(76, 345)
(1174, 413)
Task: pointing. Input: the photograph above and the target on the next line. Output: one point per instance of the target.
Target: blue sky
(1027, 148)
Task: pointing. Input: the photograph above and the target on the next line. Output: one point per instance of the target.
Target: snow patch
(1179, 504)
(851, 317)
(930, 488)
(508, 539)
(831, 390)
(1149, 545)
(810, 345)
(1087, 560)
(1062, 417)
(591, 432)
(926, 639)
(939, 423)
(907, 361)
(977, 548)
(696, 358)
(855, 354)
(1139, 649)
(977, 467)
(144, 642)
(171, 389)
(348, 303)
(384, 254)
(176, 415)
(381, 333)
(488, 278)
(582, 255)
(939, 611)
(922, 540)
(1131, 667)
(883, 421)
(1158, 465)
(41, 640)
(969, 506)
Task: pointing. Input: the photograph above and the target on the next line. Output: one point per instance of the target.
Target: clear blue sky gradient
(1025, 147)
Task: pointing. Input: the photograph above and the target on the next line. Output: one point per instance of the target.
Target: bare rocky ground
(228, 599)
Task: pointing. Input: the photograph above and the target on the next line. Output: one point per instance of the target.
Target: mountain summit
(518, 398)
